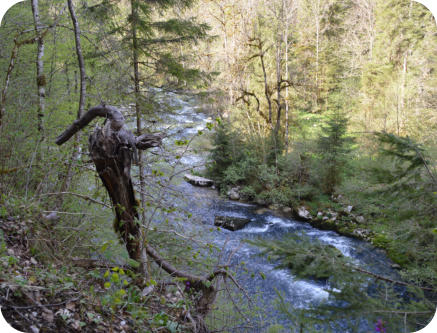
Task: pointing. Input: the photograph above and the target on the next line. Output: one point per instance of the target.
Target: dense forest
(315, 121)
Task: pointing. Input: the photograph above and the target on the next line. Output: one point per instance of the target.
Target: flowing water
(261, 278)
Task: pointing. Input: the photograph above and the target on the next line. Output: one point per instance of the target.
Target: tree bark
(79, 58)
(278, 85)
(266, 86)
(286, 134)
(40, 77)
(69, 176)
(112, 149)
(401, 103)
(134, 14)
(14, 55)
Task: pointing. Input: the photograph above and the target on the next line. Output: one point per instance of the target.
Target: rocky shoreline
(345, 221)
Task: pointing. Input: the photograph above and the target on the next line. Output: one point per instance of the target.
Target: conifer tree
(334, 146)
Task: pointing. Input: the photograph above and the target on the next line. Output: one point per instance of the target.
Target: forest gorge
(315, 121)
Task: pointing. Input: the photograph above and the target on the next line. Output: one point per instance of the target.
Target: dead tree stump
(112, 149)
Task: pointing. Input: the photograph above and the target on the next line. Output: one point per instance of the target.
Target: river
(259, 277)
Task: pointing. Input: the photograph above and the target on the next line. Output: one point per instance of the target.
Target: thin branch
(383, 278)
(79, 196)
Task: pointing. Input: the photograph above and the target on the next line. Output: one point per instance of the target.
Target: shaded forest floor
(76, 294)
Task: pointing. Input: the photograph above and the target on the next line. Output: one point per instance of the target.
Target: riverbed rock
(361, 233)
(287, 210)
(198, 181)
(274, 207)
(348, 209)
(303, 213)
(260, 202)
(333, 215)
(230, 222)
(360, 219)
(234, 193)
(261, 211)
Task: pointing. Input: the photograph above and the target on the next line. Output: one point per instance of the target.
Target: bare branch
(106, 111)
(79, 196)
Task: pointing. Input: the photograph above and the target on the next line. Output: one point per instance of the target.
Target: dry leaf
(70, 306)
(48, 316)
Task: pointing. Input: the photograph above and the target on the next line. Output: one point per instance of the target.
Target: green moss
(399, 258)
(381, 241)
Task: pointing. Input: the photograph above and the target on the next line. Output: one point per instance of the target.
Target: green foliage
(225, 151)
(304, 257)
(347, 287)
(334, 147)
(409, 155)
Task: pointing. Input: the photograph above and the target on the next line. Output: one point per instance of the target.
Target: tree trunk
(401, 103)
(134, 12)
(266, 85)
(112, 149)
(79, 58)
(7, 79)
(40, 77)
(287, 78)
(278, 84)
(316, 12)
(66, 184)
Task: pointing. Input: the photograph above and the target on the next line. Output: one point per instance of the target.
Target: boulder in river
(198, 181)
(230, 222)
(303, 213)
(261, 211)
(234, 193)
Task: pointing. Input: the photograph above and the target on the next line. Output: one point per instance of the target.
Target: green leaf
(115, 278)
(105, 246)
(133, 263)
